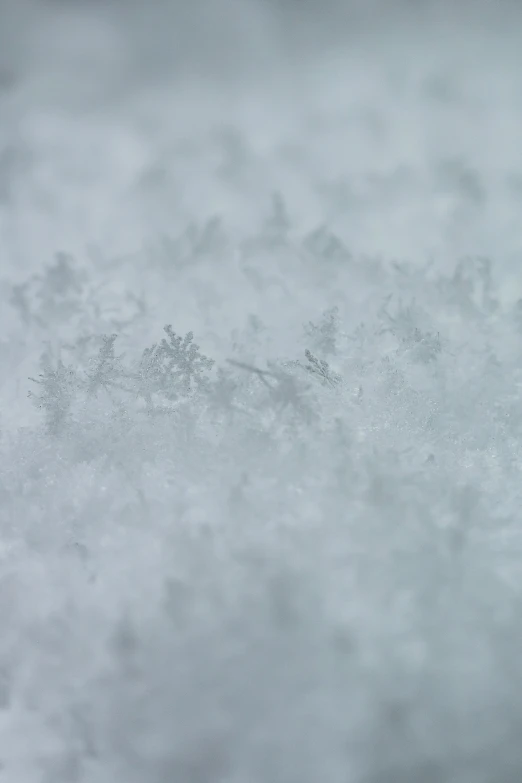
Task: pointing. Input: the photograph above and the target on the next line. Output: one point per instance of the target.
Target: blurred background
(397, 121)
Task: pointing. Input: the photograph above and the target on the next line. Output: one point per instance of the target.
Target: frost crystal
(183, 366)
(105, 368)
(59, 385)
(321, 370)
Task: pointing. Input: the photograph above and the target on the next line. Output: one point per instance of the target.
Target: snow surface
(286, 549)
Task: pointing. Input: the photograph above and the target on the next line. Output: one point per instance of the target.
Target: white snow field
(260, 391)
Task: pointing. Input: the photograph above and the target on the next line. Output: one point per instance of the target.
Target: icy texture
(260, 392)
